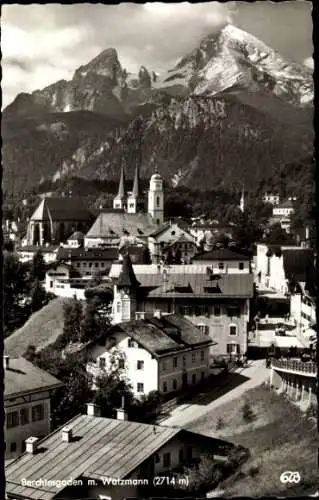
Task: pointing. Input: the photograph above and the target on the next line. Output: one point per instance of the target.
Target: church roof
(61, 209)
(127, 276)
(136, 186)
(118, 224)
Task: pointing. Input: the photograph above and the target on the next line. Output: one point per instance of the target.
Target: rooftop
(116, 224)
(221, 255)
(61, 209)
(100, 448)
(23, 377)
(89, 254)
(170, 333)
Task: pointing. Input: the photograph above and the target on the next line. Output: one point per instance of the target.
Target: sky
(42, 44)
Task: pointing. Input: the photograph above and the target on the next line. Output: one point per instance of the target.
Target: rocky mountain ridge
(219, 116)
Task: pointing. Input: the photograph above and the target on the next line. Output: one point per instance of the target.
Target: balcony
(308, 369)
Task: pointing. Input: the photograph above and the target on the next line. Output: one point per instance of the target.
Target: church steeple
(124, 302)
(135, 202)
(136, 185)
(119, 200)
(127, 278)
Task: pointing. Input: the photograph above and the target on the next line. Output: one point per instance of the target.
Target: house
(171, 236)
(97, 457)
(128, 217)
(217, 304)
(87, 262)
(224, 260)
(184, 247)
(76, 240)
(157, 352)
(286, 208)
(55, 219)
(26, 253)
(63, 281)
(272, 198)
(278, 264)
(206, 232)
(27, 391)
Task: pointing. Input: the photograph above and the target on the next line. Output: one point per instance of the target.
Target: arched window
(158, 201)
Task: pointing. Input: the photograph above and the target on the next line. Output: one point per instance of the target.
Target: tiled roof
(61, 209)
(102, 447)
(196, 285)
(23, 377)
(77, 235)
(109, 254)
(117, 224)
(220, 255)
(34, 248)
(161, 335)
(160, 230)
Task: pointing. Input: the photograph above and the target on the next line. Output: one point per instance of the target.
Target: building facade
(26, 403)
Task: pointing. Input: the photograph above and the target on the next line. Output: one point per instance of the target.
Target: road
(255, 374)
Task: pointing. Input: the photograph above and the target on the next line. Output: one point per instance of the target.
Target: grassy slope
(41, 329)
(280, 439)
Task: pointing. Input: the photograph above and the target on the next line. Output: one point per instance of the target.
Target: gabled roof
(127, 276)
(161, 230)
(121, 191)
(61, 209)
(220, 255)
(23, 377)
(103, 447)
(136, 186)
(117, 224)
(169, 334)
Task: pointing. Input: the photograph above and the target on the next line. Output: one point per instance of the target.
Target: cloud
(45, 43)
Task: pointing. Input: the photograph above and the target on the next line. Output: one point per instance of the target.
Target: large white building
(164, 353)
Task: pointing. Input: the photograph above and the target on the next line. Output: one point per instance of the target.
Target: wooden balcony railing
(295, 366)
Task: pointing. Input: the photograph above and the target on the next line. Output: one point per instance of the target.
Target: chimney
(67, 434)
(31, 445)
(121, 413)
(158, 314)
(6, 362)
(93, 410)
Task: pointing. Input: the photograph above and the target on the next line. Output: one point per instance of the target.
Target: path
(256, 373)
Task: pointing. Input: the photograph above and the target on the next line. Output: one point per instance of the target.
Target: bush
(311, 411)
(248, 415)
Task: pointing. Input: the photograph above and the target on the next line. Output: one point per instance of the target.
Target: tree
(30, 353)
(38, 268)
(201, 476)
(73, 314)
(38, 296)
(15, 290)
(146, 256)
(92, 324)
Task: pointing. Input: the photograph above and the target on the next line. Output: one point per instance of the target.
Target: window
(193, 357)
(158, 201)
(140, 387)
(217, 311)
(233, 330)
(167, 459)
(37, 413)
(174, 362)
(90, 264)
(12, 419)
(78, 264)
(241, 266)
(221, 266)
(157, 221)
(173, 233)
(233, 349)
(194, 378)
(233, 312)
(24, 416)
(102, 363)
(130, 343)
(96, 264)
(140, 365)
(51, 284)
(85, 264)
(13, 447)
(102, 264)
(121, 363)
(202, 355)
(204, 329)
(186, 311)
(164, 386)
(157, 458)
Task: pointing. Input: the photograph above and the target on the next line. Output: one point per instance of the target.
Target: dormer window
(221, 266)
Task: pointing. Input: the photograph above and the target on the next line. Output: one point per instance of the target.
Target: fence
(295, 366)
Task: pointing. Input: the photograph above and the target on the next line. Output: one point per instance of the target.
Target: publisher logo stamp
(290, 477)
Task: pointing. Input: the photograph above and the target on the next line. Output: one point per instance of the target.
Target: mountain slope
(219, 116)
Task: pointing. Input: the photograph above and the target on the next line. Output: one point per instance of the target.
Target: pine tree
(38, 266)
(248, 415)
(91, 324)
(73, 314)
(38, 296)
